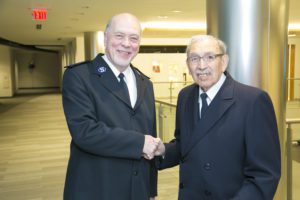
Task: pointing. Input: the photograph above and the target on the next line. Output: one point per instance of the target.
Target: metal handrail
(165, 103)
(289, 163)
(293, 78)
(171, 83)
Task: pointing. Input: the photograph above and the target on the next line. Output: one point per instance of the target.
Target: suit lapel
(107, 78)
(140, 85)
(220, 104)
(189, 115)
(192, 110)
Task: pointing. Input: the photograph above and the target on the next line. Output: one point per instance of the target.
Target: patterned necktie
(204, 104)
(124, 87)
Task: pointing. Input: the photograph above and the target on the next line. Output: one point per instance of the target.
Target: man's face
(122, 41)
(206, 63)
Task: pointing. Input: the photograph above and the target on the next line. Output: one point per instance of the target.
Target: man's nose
(202, 64)
(126, 41)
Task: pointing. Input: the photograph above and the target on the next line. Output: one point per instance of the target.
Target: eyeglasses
(207, 58)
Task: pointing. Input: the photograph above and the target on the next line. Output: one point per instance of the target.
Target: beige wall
(6, 89)
(296, 41)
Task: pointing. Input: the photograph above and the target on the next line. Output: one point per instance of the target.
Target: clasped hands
(153, 147)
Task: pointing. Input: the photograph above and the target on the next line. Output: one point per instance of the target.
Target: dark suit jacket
(233, 152)
(107, 135)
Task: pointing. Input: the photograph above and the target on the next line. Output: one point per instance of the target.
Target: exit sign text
(39, 14)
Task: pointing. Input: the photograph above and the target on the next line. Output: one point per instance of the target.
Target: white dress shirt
(129, 79)
(211, 92)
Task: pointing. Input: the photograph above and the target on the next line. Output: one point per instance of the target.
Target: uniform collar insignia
(101, 70)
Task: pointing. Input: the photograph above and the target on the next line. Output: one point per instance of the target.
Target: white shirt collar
(127, 73)
(129, 78)
(212, 92)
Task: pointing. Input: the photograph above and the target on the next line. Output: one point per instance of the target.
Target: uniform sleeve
(87, 132)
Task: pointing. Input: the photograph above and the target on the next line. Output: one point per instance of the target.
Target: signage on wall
(39, 14)
(155, 67)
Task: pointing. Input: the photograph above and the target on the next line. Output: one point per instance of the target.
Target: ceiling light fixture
(174, 25)
(163, 17)
(176, 11)
(294, 27)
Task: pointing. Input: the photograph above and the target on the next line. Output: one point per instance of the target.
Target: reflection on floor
(34, 149)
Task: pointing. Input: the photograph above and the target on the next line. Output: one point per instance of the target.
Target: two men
(229, 151)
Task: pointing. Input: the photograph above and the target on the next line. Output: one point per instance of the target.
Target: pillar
(255, 32)
(93, 44)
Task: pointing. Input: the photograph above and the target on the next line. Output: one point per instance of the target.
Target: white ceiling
(67, 19)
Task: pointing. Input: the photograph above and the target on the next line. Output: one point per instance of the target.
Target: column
(93, 44)
(255, 32)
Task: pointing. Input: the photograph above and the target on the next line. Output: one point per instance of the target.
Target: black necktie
(204, 104)
(124, 88)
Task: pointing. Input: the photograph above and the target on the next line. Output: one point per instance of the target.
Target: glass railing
(166, 96)
(293, 138)
(165, 120)
(293, 158)
(168, 91)
(293, 89)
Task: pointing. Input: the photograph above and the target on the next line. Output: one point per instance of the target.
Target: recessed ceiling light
(294, 26)
(176, 11)
(163, 17)
(174, 25)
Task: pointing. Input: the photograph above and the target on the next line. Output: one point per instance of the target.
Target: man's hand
(150, 146)
(160, 151)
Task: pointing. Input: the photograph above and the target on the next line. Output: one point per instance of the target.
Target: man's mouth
(202, 74)
(124, 52)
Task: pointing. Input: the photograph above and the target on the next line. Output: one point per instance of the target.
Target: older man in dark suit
(226, 138)
(110, 111)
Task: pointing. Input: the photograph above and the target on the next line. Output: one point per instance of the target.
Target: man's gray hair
(199, 38)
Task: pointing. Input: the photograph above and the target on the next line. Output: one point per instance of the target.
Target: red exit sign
(39, 14)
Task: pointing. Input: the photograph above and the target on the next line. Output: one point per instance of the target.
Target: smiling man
(226, 138)
(110, 111)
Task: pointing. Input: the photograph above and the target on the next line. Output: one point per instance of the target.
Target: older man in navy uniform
(110, 111)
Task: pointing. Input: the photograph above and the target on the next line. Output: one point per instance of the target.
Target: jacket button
(207, 166)
(181, 185)
(135, 173)
(207, 193)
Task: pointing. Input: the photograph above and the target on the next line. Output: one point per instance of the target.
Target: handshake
(153, 147)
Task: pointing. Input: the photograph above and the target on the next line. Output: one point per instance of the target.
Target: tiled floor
(34, 149)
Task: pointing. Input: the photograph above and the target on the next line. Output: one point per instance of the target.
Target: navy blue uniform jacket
(233, 152)
(107, 135)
